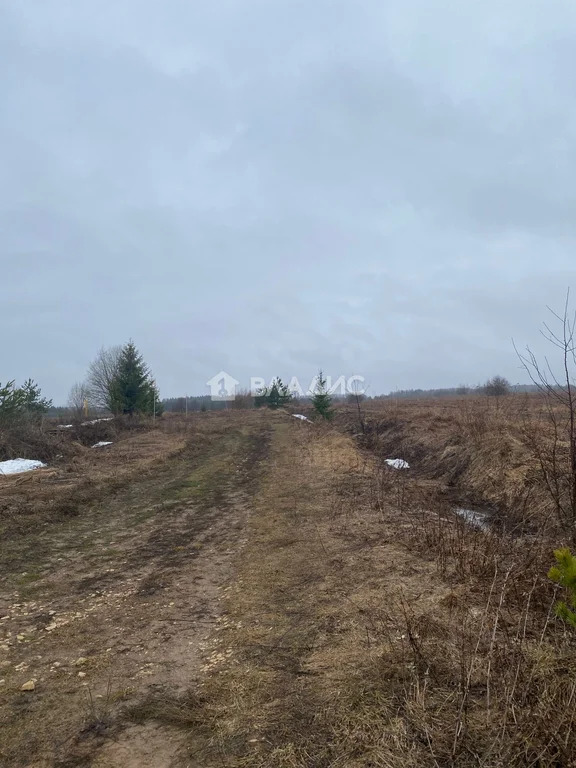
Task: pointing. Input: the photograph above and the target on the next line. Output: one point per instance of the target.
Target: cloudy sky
(268, 186)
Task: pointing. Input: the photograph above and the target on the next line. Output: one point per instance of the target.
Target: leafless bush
(28, 440)
(90, 434)
(78, 401)
(497, 386)
(244, 399)
(555, 449)
(102, 372)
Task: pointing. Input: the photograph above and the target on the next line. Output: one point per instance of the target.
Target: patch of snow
(300, 416)
(65, 426)
(101, 444)
(95, 421)
(14, 466)
(398, 463)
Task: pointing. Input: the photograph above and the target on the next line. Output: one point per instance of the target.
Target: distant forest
(453, 391)
(205, 403)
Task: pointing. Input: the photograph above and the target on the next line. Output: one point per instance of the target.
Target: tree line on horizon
(277, 394)
(497, 386)
(119, 382)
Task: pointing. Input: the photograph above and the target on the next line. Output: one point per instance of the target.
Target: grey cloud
(270, 187)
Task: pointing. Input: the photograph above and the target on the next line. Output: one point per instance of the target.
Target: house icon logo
(222, 386)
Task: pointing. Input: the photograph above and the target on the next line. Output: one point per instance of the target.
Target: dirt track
(121, 601)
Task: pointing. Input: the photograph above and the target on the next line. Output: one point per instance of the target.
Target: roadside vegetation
(21, 411)
(119, 383)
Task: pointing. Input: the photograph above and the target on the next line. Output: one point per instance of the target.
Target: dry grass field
(244, 589)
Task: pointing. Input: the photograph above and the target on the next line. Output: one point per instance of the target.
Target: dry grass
(368, 627)
(29, 439)
(79, 476)
(41, 507)
(479, 447)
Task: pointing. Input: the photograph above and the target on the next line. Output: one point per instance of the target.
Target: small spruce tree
(277, 395)
(33, 402)
(321, 398)
(132, 390)
(26, 401)
(11, 401)
(564, 573)
(154, 404)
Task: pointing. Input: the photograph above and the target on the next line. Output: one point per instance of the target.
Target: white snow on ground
(398, 463)
(85, 423)
(476, 519)
(101, 444)
(14, 466)
(300, 416)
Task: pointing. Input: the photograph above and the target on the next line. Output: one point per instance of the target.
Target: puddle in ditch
(473, 517)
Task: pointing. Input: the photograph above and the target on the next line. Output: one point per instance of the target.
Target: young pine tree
(132, 390)
(154, 404)
(26, 401)
(321, 399)
(11, 402)
(275, 396)
(564, 573)
(278, 395)
(34, 404)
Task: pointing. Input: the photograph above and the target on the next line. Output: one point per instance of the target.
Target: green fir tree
(133, 390)
(154, 405)
(34, 403)
(321, 398)
(275, 396)
(26, 401)
(564, 573)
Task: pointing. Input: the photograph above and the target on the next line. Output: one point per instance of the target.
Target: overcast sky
(379, 188)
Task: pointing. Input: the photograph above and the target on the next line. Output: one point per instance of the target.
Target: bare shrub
(497, 386)
(102, 373)
(78, 400)
(100, 431)
(555, 448)
(243, 399)
(28, 440)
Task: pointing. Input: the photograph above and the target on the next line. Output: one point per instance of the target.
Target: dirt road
(121, 600)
